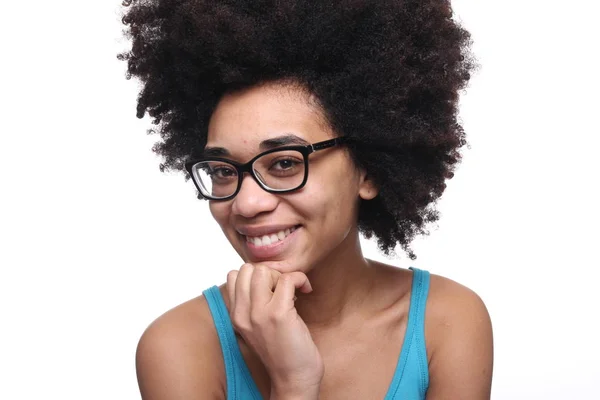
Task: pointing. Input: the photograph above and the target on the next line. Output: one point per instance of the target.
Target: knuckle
(236, 315)
(259, 274)
(246, 266)
(238, 320)
(276, 316)
(262, 269)
(232, 274)
(256, 318)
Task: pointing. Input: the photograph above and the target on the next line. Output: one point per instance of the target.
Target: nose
(252, 199)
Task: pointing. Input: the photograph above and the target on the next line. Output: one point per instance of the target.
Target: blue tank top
(411, 377)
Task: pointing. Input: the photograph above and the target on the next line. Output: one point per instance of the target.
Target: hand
(262, 311)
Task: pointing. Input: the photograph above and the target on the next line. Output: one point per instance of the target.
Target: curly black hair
(387, 74)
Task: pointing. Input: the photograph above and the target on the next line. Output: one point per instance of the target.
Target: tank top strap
(240, 384)
(419, 293)
(411, 378)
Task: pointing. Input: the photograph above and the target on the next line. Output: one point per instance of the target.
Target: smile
(266, 240)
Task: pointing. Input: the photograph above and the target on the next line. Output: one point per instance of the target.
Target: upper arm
(177, 359)
(461, 357)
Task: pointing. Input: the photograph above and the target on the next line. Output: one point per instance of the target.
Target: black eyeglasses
(279, 170)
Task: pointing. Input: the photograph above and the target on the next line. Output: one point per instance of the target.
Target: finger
(280, 266)
(231, 279)
(242, 286)
(287, 285)
(264, 280)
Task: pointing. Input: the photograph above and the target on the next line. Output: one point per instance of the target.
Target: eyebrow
(267, 144)
(215, 152)
(284, 140)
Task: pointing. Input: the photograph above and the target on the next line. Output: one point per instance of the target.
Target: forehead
(244, 119)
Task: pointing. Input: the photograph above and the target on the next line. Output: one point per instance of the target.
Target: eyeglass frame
(242, 169)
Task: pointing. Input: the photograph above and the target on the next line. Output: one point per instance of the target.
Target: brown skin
(357, 310)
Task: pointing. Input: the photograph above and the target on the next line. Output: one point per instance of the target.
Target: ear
(367, 189)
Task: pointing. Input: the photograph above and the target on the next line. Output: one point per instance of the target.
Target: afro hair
(386, 73)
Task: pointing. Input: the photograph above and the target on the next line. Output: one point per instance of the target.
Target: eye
(285, 164)
(222, 172)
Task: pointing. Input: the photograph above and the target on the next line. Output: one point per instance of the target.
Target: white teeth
(269, 239)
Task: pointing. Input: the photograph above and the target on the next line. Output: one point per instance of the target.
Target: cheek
(331, 202)
(219, 211)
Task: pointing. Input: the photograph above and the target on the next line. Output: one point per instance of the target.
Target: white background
(96, 242)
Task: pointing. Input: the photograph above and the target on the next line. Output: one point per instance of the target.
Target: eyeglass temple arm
(326, 144)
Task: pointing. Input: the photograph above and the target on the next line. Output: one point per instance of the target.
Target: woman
(303, 124)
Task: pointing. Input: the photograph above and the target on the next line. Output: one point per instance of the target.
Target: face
(292, 231)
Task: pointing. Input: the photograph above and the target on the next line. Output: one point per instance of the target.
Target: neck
(341, 284)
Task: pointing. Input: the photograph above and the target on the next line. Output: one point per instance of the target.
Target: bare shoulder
(179, 355)
(449, 302)
(459, 339)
